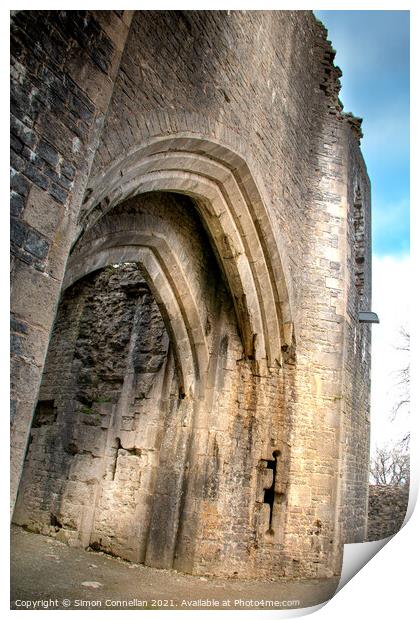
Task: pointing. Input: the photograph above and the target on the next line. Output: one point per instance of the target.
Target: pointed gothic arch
(141, 239)
(234, 214)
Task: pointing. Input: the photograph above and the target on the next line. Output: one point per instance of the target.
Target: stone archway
(196, 502)
(125, 486)
(145, 239)
(234, 213)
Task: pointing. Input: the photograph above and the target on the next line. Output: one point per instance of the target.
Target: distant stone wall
(387, 508)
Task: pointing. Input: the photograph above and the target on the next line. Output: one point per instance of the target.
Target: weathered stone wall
(63, 67)
(99, 336)
(357, 346)
(387, 509)
(239, 111)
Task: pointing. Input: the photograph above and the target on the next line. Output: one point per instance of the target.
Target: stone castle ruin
(191, 251)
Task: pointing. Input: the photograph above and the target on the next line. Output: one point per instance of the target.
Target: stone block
(300, 496)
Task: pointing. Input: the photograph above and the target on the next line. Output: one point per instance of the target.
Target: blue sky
(373, 53)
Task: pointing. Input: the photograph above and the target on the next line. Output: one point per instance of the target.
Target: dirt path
(46, 574)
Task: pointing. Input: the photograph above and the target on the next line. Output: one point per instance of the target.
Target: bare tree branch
(391, 465)
(403, 376)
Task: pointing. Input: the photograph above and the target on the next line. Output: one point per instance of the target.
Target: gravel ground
(47, 574)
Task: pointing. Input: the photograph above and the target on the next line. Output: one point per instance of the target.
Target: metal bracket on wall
(368, 317)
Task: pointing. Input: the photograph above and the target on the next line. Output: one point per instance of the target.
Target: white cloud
(391, 286)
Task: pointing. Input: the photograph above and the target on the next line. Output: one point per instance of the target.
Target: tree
(403, 374)
(402, 404)
(391, 465)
